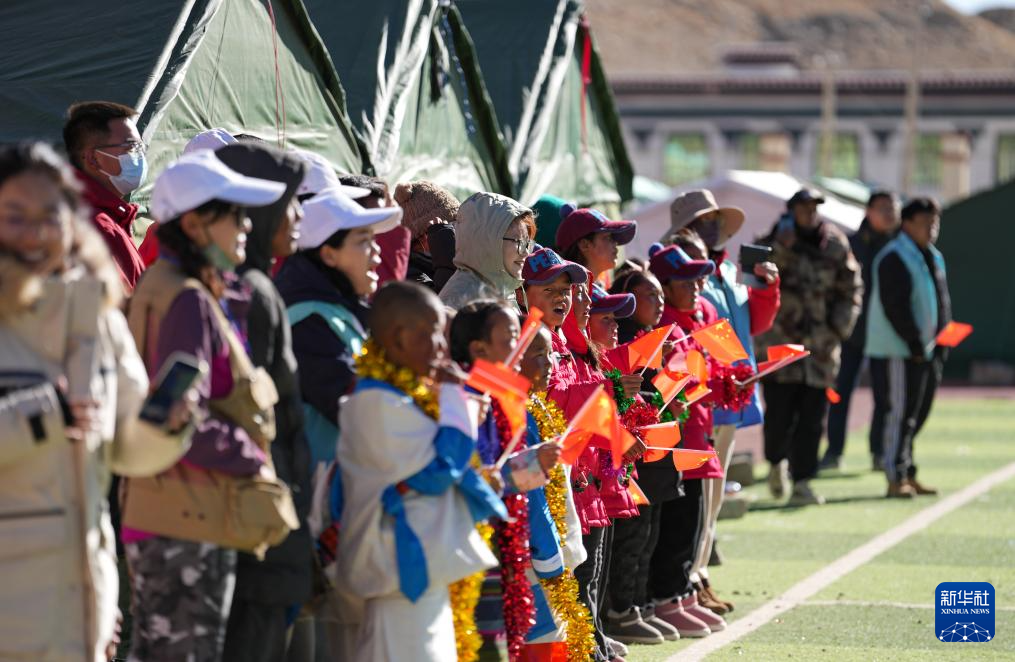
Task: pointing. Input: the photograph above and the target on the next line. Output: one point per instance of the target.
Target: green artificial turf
(888, 610)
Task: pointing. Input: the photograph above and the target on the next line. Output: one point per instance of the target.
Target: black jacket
(285, 575)
(865, 244)
(327, 371)
(896, 299)
(433, 269)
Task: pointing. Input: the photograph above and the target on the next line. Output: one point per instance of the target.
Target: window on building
(840, 157)
(685, 158)
(1005, 157)
(749, 149)
(928, 168)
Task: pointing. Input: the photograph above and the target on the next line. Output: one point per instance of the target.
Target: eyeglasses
(522, 244)
(132, 146)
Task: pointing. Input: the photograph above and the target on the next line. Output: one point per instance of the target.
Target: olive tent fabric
(414, 92)
(185, 65)
(534, 55)
(977, 237)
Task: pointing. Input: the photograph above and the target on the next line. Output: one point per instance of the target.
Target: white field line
(809, 586)
(878, 604)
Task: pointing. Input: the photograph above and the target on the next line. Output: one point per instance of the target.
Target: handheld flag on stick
(597, 418)
(779, 356)
(697, 366)
(697, 393)
(721, 342)
(659, 438)
(529, 329)
(647, 352)
(503, 383)
(685, 460)
(953, 334)
(670, 383)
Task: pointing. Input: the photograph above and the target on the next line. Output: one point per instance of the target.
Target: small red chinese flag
(647, 351)
(685, 460)
(659, 436)
(529, 330)
(670, 383)
(697, 393)
(721, 342)
(637, 495)
(779, 352)
(594, 419)
(953, 334)
(501, 382)
(697, 365)
(551, 652)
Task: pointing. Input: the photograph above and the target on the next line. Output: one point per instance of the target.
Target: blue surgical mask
(133, 168)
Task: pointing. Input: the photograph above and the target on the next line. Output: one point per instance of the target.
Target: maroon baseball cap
(672, 263)
(621, 305)
(544, 266)
(580, 223)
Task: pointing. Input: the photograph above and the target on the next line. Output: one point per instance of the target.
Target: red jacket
(395, 248)
(571, 383)
(113, 218)
(697, 431)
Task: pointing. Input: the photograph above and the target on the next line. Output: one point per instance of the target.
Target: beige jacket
(58, 597)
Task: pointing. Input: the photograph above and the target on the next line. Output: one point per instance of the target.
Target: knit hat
(422, 202)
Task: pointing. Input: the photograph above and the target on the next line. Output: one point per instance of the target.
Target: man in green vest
(909, 306)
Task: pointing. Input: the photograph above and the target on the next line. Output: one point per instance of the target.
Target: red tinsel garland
(515, 558)
(728, 394)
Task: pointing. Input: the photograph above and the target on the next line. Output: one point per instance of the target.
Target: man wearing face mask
(104, 145)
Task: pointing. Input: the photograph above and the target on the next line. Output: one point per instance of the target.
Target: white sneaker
(617, 647)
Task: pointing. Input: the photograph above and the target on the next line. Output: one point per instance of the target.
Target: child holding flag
(411, 498)
(670, 583)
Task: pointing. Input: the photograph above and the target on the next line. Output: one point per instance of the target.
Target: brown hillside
(667, 37)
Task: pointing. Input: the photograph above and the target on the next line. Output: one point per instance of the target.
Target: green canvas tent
(552, 98)
(414, 91)
(252, 66)
(977, 240)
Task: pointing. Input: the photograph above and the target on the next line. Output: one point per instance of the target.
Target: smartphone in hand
(752, 255)
(178, 374)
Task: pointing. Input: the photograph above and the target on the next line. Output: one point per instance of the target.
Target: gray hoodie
(481, 224)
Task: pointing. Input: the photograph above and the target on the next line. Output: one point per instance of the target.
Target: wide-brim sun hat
(692, 205)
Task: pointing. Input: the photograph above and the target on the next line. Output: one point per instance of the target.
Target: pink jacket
(571, 384)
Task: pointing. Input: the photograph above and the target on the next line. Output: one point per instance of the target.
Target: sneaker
(687, 625)
(648, 614)
(877, 464)
(830, 463)
(920, 489)
(616, 648)
(714, 621)
(900, 491)
(803, 495)
(629, 628)
(778, 475)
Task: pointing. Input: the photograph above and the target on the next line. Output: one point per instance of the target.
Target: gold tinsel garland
(464, 594)
(562, 590)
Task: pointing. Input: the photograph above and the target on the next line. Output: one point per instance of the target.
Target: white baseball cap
(210, 139)
(200, 177)
(320, 175)
(332, 210)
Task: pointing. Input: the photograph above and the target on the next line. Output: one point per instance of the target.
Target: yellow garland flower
(464, 594)
(562, 591)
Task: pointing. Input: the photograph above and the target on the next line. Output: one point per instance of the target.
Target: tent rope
(280, 127)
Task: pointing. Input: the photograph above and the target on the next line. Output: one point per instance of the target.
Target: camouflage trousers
(180, 599)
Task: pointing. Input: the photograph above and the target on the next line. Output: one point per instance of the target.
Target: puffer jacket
(481, 225)
(821, 292)
(571, 383)
(58, 598)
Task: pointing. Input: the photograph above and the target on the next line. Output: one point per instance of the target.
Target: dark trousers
(592, 578)
(794, 421)
(937, 366)
(838, 414)
(634, 540)
(256, 632)
(899, 387)
(680, 522)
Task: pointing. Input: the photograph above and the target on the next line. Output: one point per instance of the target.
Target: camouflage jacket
(821, 295)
